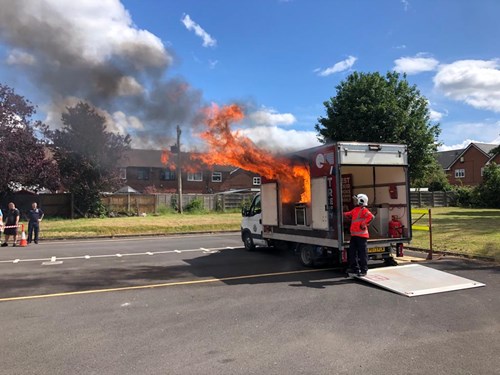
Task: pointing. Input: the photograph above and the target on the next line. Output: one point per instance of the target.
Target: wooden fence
(152, 203)
(431, 198)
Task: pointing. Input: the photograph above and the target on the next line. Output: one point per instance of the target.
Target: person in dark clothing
(11, 223)
(35, 216)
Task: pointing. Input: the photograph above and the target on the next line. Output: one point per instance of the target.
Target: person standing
(361, 218)
(35, 216)
(11, 223)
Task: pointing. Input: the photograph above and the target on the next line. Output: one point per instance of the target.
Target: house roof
(485, 147)
(448, 158)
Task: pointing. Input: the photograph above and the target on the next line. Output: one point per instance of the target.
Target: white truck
(311, 222)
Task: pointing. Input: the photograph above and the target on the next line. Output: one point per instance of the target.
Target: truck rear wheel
(307, 255)
(248, 242)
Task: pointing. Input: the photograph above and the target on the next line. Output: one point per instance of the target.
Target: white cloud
(465, 143)
(481, 132)
(406, 4)
(436, 116)
(276, 139)
(269, 117)
(18, 57)
(208, 41)
(338, 67)
(475, 82)
(417, 64)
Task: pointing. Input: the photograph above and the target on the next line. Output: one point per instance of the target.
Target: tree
(25, 163)
(434, 178)
(369, 107)
(488, 192)
(87, 156)
(495, 151)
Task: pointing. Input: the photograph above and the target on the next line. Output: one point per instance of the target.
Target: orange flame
(227, 147)
(165, 155)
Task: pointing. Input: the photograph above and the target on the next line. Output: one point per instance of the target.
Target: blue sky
(280, 59)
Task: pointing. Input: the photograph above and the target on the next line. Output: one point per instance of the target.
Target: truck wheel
(248, 242)
(306, 255)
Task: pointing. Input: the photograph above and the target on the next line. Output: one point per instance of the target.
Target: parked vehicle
(305, 213)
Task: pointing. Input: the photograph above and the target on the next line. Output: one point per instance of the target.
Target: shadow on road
(232, 266)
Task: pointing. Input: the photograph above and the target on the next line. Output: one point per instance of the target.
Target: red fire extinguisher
(395, 227)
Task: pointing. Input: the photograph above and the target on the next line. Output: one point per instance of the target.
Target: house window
(197, 176)
(143, 173)
(459, 173)
(256, 180)
(167, 175)
(216, 176)
(123, 173)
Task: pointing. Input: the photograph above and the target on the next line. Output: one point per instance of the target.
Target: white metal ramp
(415, 280)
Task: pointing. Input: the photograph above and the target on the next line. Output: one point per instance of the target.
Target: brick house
(143, 170)
(465, 166)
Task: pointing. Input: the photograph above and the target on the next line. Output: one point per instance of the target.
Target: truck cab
(251, 225)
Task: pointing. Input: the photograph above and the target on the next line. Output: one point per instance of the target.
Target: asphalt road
(203, 305)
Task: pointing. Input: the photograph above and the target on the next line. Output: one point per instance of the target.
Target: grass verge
(474, 232)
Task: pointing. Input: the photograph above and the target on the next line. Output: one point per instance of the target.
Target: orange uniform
(360, 219)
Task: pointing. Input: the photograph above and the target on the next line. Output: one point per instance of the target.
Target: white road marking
(119, 255)
(52, 260)
(142, 239)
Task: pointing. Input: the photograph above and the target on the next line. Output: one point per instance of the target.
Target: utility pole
(179, 170)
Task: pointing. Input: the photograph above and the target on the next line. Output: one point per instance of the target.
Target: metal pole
(179, 170)
(429, 256)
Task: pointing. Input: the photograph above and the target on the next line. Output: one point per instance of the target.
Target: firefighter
(361, 218)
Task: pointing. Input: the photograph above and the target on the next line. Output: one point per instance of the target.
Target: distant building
(465, 166)
(144, 171)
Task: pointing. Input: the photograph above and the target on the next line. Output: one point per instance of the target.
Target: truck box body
(337, 172)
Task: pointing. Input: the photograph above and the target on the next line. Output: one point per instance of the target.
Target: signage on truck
(323, 162)
(347, 192)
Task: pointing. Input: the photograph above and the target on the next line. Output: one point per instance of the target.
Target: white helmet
(362, 199)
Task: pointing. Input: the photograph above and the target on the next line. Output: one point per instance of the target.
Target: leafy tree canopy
(370, 107)
(87, 155)
(25, 163)
(488, 192)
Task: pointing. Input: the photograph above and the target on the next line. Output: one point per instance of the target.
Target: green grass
(456, 230)
(462, 230)
(136, 225)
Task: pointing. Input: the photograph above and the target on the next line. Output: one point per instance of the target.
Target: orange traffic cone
(23, 241)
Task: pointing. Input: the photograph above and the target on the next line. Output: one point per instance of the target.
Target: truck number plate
(376, 250)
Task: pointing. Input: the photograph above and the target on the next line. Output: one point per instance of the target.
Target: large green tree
(488, 192)
(23, 157)
(370, 107)
(87, 156)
